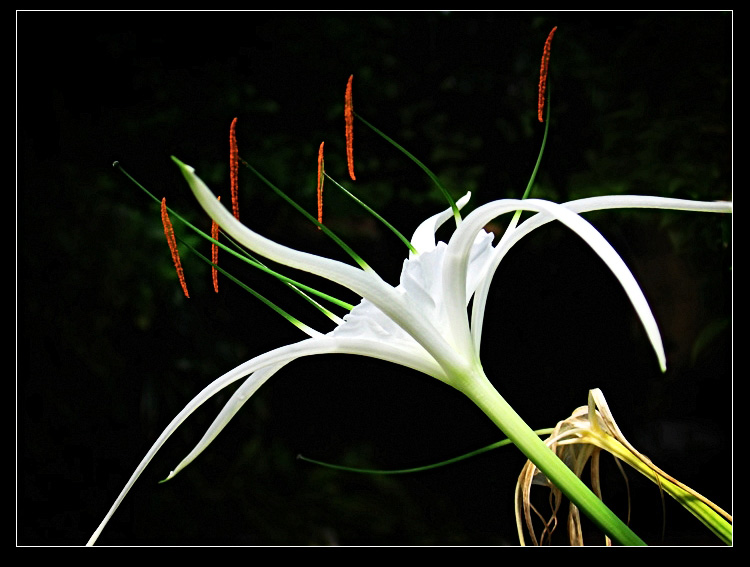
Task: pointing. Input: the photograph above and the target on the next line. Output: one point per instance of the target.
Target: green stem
(483, 394)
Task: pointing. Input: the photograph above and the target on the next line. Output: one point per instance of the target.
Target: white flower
(422, 323)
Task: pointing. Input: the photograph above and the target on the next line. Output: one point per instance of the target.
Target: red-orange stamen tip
(349, 118)
(543, 74)
(215, 253)
(320, 184)
(234, 168)
(172, 242)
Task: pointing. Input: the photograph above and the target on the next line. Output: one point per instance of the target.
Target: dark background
(109, 350)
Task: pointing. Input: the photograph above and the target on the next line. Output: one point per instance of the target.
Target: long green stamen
(294, 286)
(288, 199)
(242, 255)
(465, 456)
(375, 214)
(443, 190)
(527, 192)
(293, 320)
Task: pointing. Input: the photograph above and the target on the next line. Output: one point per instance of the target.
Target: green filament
(244, 256)
(496, 445)
(375, 214)
(336, 239)
(443, 190)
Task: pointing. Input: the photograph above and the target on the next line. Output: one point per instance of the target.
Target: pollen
(169, 233)
(215, 253)
(319, 189)
(234, 168)
(349, 118)
(543, 74)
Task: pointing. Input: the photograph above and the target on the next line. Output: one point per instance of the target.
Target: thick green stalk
(483, 394)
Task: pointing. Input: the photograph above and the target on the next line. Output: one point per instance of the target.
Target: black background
(109, 350)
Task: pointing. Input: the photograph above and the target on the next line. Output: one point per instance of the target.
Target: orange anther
(234, 169)
(215, 253)
(349, 117)
(543, 74)
(320, 184)
(169, 232)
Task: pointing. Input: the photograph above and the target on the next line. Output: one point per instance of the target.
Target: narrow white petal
(282, 355)
(230, 409)
(579, 206)
(646, 202)
(277, 358)
(398, 353)
(348, 276)
(367, 284)
(609, 202)
(424, 237)
(464, 235)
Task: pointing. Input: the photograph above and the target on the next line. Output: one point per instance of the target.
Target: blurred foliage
(109, 350)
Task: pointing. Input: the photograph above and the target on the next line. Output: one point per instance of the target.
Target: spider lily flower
(422, 323)
(581, 437)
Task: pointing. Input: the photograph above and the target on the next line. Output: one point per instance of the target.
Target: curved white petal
(609, 202)
(364, 322)
(230, 409)
(646, 202)
(455, 268)
(424, 237)
(367, 284)
(579, 206)
(399, 354)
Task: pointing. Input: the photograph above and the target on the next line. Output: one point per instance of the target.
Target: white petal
(645, 202)
(367, 284)
(276, 358)
(393, 351)
(230, 409)
(480, 258)
(456, 265)
(354, 278)
(424, 237)
(579, 206)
